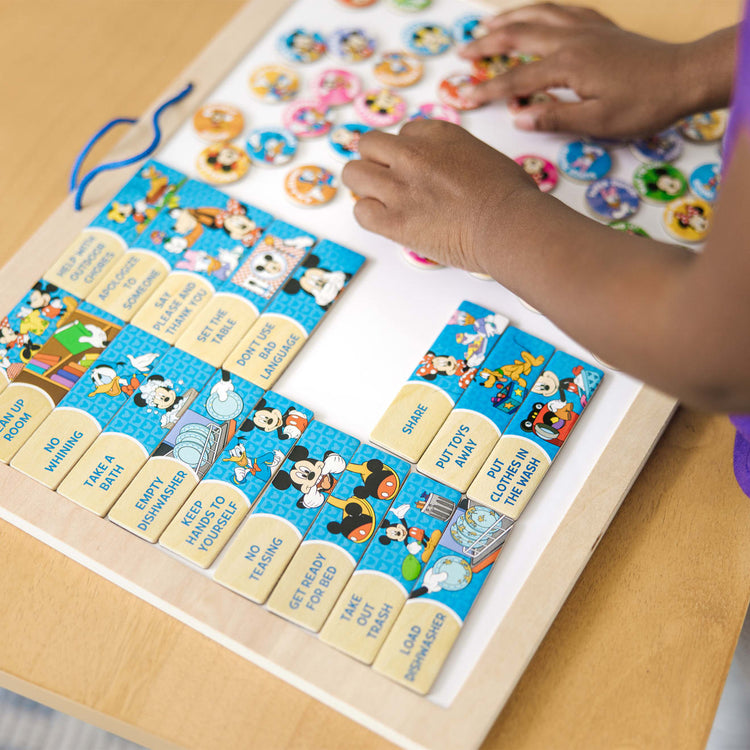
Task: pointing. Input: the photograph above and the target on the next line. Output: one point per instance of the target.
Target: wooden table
(639, 653)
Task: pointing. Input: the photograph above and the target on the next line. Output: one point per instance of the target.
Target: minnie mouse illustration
(432, 365)
(692, 217)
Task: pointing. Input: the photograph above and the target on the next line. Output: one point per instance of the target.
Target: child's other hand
(628, 84)
(438, 190)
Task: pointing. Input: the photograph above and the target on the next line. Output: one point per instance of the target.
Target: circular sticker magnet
(410, 6)
(488, 68)
(437, 112)
(344, 139)
(629, 228)
(664, 146)
(419, 261)
(688, 219)
(612, 199)
(310, 185)
(704, 127)
(521, 102)
(380, 107)
(399, 69)
(358, 3)
(468, 28)
(303, 46)
(274, 83)
(427, 39)
(353, 45)
(307, 118)
(271, 146)
(335, 86)
(704, 181)
(452, 91)
(542, 170)
(659, 183)
(583, 161)
(218, 122)
(222, 163)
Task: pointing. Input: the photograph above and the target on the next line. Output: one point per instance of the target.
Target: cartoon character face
(396, 532)
(305, 474)
(320, 283)
(694, 218)
(120, 212)
(355, 43)
(156, 392)
(668, 184)
(431, 38)
(39, 298)
(7, 335)
(239, 226)
(226, 157)
(302, 43)
(348, 139)
(269, 265)
(547, 384)
(533, 165)
(445, 364)
(267, 419)
(383, 101)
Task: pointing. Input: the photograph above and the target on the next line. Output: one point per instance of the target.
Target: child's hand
(628, 84)
(437, 189)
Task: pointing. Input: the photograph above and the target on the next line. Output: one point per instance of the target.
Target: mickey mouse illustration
(414, 539)
(356, 524)
(291, 424)
(158, 392)
(311, 476)
(320, 283)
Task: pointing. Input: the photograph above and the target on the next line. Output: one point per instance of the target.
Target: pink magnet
(335, 87)
(307, 118)
(380, 107)
(542, 170)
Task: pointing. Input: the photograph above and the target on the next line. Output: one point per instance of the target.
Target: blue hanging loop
(123, 162)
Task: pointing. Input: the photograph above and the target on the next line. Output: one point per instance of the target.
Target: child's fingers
(532, 38)
(521, 81)
(571, 117)
(372, 215)
(367, 179)
(378, 147)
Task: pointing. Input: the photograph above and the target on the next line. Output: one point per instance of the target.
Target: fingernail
(525, 121)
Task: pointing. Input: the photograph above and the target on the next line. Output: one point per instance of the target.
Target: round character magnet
(662, 147)
(659, 183)
(629, 228)
(468, 28)
(521, 102)
(271, 146)
(542, 170)
(216, 123)
(307, 118)
(432, 111)
(584, 162)
(410, 6)
(353, 45)
(222, 163)
(487, 68)
(688, 219)
(427, 39)
(704, 127)
(380, 107)
(274, 83)
(310, 185)
(344, 139)
(358, 3)
(612, 199)
(399, 69)
(303, 46)
(419, 261)
(452, 91)
(704, 181)
(335, 86)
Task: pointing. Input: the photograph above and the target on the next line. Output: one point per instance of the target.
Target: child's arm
(676, 319)
(628, 84)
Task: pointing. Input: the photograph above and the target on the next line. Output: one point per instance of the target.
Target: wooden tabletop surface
(639, 653)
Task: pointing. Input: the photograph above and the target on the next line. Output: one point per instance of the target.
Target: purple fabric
(740, 118)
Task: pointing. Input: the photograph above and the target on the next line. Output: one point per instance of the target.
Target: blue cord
(94, 138)
(124, 162)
